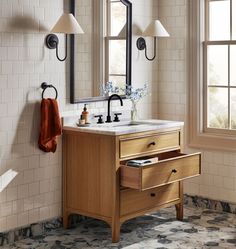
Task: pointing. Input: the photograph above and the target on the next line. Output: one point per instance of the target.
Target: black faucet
(109, 106)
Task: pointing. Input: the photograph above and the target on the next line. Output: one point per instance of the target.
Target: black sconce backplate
(141, 43)
(52, 41)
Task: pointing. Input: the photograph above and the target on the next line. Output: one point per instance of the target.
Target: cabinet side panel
(89, 164)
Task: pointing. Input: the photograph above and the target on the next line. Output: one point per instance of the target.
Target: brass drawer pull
(152, 194)
(174, 171)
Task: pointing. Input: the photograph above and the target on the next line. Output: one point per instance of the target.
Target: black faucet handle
(100, 121)
(116, 119)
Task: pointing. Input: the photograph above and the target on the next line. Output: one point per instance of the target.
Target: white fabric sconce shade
(122, 33)
(155, 29)
(66, 24)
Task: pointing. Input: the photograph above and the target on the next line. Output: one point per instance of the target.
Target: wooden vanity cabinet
(98, 183)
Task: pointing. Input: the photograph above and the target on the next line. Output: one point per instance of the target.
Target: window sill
(223, 142)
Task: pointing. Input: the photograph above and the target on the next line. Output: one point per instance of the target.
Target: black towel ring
(44, 86)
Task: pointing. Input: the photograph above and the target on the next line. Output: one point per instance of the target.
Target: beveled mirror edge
(73, 99)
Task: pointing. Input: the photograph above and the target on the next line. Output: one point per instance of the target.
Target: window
(220, 64)
(110, 44)
(212, 74)
(115, 43)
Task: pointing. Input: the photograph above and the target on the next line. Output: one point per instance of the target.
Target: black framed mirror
(86, 77)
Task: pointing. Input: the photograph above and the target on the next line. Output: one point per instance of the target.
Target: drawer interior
(161, 157)
(171, 167)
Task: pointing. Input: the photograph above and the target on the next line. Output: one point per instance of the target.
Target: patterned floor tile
(200, 229)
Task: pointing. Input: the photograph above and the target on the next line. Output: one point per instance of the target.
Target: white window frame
(198, 135)
(206, 43)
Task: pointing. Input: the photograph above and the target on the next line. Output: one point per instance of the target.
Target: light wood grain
(148, 144)
(180, 206)
(94, 172)
(161, 173)
(115, 225)
(64, 177)
(134, 200)
(89, 169)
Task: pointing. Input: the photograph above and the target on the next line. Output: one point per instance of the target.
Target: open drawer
(171, 167)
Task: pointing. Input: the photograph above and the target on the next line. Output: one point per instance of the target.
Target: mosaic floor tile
(201, 228)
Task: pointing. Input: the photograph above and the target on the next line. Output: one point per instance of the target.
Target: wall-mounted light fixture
(155, 29)
(66, 24)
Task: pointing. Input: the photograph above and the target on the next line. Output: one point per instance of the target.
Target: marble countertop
(123, 127)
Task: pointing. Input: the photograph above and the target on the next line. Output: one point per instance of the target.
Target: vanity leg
(65, 220)
(180, 206)
(179, 211)
(115, 230)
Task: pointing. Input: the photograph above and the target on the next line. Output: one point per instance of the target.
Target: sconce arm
(65, 51)
(141, 45)
(155, 48)
(52, 42)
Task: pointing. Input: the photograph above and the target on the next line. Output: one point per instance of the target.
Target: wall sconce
(155, 29)
(66, 24)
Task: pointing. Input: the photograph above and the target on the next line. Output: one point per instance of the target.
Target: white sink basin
(137, 124)
(118, 124)
(126, 124)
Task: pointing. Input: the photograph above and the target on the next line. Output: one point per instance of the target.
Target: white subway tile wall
(144, 71)
(218, 179)
(30, 180)
(83, 50)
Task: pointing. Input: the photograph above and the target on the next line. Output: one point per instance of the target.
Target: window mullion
(207, 20)
(229, 78)
(231, 20)
(205, 63)
(108, 33)
(205, 87)
(226, 42)
(229, 99)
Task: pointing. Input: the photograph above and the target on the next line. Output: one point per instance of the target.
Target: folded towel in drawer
(142, 162)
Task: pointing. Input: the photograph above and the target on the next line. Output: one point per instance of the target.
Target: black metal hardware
(100, 121)
(52, 42)
(44, 86)
(152, 194)
(174, 171)
(109, 106)
(141, 45)
(116, 119)
(75, 99)
(152, 143)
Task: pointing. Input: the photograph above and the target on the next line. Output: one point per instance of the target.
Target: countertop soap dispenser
(85, 114)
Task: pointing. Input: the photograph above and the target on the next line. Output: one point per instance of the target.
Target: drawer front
(175, 168)
(149, 144)
(134, 201)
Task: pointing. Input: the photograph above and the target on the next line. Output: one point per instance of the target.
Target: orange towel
(50, 126)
